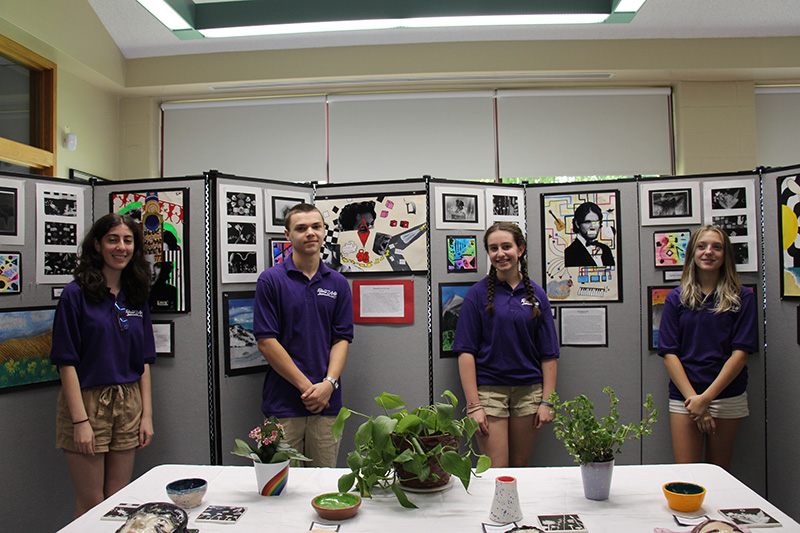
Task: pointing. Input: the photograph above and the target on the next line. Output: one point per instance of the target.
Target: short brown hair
(302, 207)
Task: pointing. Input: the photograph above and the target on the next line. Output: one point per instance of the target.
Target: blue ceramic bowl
(187, 493)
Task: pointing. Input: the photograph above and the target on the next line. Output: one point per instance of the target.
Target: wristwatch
(332, 381)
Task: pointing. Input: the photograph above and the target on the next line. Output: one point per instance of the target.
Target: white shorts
(734, 407)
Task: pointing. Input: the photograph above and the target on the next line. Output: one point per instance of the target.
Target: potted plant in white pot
(594, 443)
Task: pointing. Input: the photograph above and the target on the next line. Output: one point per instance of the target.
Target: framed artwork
(26, 336)
(732, 206)
(164, 217)
(669, 248)
(383, 233)
(789, 235)
(656, 296)
(281, 249)
(669, 202)
(240, 346)
(462, 253)
(241, 226)
(278, 203)
(505, 204)
(10, 273)
(451, 296)
(383, 301)
(583, 326)
(459, 208)
(59, 227)
(164, 334)
(55, 292)
(12, 211)
(582, 246)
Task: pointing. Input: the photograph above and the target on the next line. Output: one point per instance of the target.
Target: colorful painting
(462, 254)
(451, 296)
(375, 233)
(10, 272)
(281, 250)
(26, 336)
(582, 246)
(789, 226)
(242, 355)
(655, 307)
(165, 223)
(670, 248)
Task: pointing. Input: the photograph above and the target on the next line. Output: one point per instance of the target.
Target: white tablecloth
(636, 503)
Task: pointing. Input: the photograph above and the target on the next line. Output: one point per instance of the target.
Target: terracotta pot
(407, 479)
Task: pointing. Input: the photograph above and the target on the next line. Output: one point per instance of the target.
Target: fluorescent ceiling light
(629, 6)
(164, 13)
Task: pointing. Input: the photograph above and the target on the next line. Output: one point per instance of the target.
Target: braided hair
(519, 240)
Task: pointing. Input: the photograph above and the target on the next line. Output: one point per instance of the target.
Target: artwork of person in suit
(586, 250)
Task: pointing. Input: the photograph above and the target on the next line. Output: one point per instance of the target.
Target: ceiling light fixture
(166, 14)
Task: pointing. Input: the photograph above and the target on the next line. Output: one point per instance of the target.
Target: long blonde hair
(726, 293)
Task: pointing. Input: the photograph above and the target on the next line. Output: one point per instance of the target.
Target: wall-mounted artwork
(278, 203)
(241, 227)
(384, 233)
(240, 346)
(789, 229)
(732, 206)
(669, 248)
(26, 336)
(459, 208)
(583, 326)
(59, 228)
(164, 335)
(656, 296)
(582, 246)
(451, 296)
(461, 253)
(164, 217)
(281, 250)
(669, 202)
(505, 204)
(10, 273)
(12, 211)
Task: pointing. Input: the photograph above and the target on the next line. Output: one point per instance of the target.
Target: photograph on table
(281, 250)
(376, 233)
(241, 228)
(669, 248)
(461, 253)
(451, 296)
(789, 235)
(12, 211)
(505, 204)
(668, 203)
(278, 202)
(656, 296)
(164, 335)
(242, 355)
(59, 229)
(582, 246)
(562, 523)
(26, 336)
(164, 218)
(459, 208)
(10, 273)
(732, 206)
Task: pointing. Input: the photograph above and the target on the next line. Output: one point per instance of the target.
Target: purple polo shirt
(704, 341)
(87, 335)
(508, 346)
(306, 317)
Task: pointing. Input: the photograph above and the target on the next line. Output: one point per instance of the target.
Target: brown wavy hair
(135, 277)
(519, 240)
(726, 294)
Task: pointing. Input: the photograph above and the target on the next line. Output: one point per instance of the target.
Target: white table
(636, 503)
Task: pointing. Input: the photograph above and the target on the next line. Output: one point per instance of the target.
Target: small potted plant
(270, 457)
(417, 448)
(594, 443)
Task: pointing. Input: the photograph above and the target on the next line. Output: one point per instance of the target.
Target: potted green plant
(594, 443)
(409, 447)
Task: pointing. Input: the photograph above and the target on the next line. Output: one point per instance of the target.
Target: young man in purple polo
(303, 320)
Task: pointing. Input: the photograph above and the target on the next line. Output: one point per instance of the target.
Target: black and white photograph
(60, 233)
(240, 204)
(60, 263)
(8, 211)
(669, 204)
(734, 225)
(729, 198)
(57, 204)
(731, 204)
(281, 206)
(242, 233)
(505, 205)
(562, 522)
(666, 203)
(278, 202)
(460, 208)
(749, 516)
(221, 513)
(741, 253)
(242, 263)
(60, 219)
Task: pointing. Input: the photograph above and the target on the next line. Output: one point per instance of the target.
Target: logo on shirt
(327, 292)
(523, 301)
(133, 312)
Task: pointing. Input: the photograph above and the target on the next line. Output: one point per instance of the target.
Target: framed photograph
(59, 226)
(669, 248)
(55, 292)
(278, 202)
(505, 204)
(383, 301)
(241, 227)
(669, 202)
(788, 224)
(281, 249)
(12, 207)
(461, 253)
(239, 345)
(26, 337)
(10, 272)
(459, 208)
(732, 205)
(164, 334)
(583, 326)
(582, 246)
(656, 296)
(451, 296)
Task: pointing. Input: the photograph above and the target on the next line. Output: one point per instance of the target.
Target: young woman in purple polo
(508, 351)
(708, 328)
(103, 346)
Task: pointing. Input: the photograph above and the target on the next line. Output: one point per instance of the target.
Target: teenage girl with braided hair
(508, 351)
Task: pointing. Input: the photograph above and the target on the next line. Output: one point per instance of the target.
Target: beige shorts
(734, 407)
(312, 436)
(505, 401)
(114, 413)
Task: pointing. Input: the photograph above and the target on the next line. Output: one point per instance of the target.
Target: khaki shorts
(503, 401)
(734, 407)
(114, 412)
(312, 436)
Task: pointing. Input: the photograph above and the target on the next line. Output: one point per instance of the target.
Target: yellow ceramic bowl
(683, 496)
(336, 505)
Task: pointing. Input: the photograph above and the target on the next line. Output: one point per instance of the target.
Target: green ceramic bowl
(336, 505)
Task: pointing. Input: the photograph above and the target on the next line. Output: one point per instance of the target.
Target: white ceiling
(138, 34)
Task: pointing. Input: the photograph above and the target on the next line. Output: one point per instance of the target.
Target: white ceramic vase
(597, 479)
(271, 477)
(505, 505)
